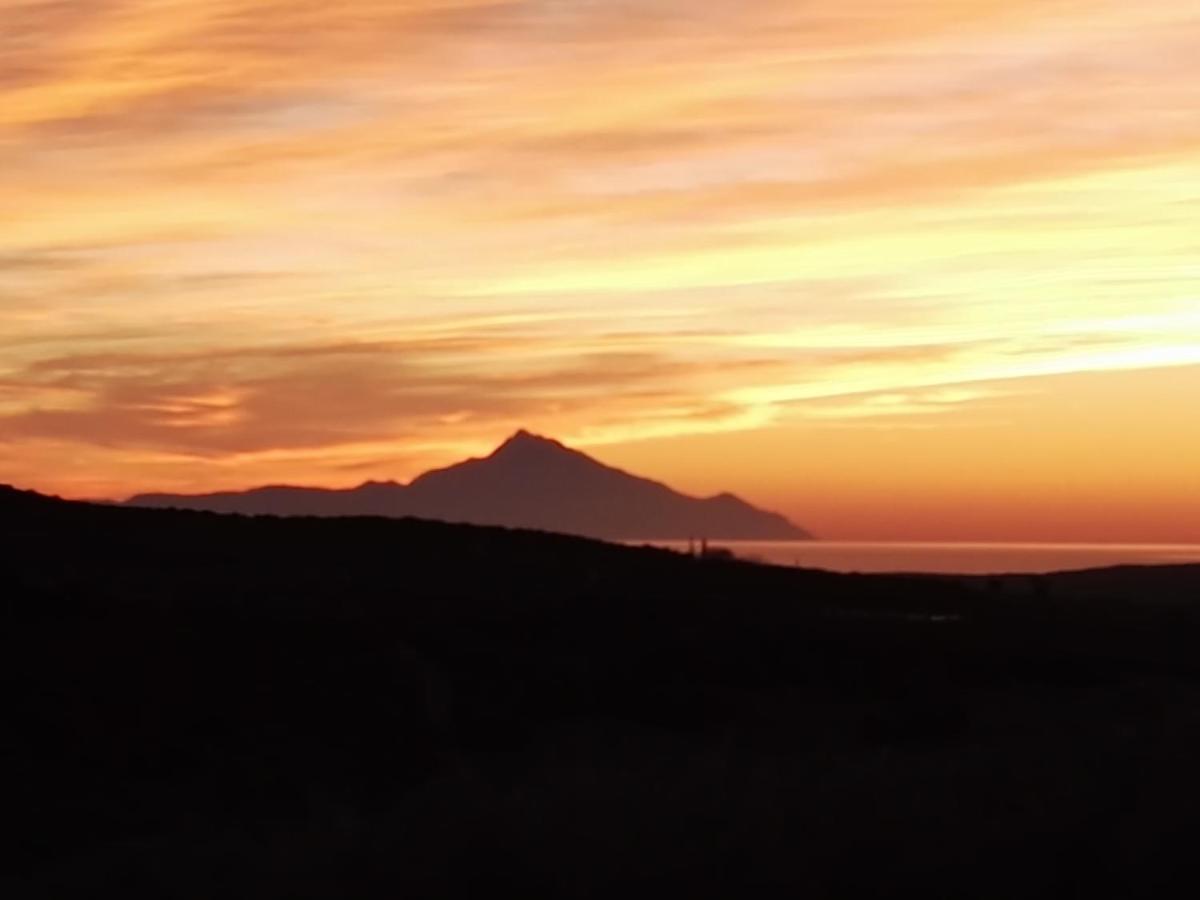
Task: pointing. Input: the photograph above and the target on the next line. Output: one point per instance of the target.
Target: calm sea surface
(948, 558)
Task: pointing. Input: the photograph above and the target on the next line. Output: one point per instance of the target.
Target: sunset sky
(908, 269)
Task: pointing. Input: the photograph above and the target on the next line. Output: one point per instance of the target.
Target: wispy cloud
(355, 237)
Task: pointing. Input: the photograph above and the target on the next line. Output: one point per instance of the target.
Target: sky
(900, 269)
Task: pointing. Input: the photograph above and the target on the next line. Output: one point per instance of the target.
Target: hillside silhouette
(206, 705)
(527, 482)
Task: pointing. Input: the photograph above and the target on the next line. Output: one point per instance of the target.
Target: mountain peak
(521, 436)
(523, 442)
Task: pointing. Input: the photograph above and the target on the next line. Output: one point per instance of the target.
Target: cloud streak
(360, 237)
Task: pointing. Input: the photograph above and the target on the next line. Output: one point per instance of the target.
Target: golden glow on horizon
(246, 241)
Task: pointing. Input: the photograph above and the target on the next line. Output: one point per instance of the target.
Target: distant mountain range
(527, 482)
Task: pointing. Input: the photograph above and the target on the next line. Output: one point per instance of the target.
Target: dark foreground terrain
(200, 706)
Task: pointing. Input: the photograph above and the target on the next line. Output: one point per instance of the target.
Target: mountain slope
(527, 482)
(306, 708)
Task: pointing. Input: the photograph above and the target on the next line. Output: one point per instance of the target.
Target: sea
(950, 558)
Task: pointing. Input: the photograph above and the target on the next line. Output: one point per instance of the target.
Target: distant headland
(529, 481)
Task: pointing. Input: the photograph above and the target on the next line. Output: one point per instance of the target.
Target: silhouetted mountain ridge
(13, 498)
(529, 481)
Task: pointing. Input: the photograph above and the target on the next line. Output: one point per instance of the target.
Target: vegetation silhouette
(206, 705)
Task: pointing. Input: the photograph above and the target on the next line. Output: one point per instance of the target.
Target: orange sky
(899, 268)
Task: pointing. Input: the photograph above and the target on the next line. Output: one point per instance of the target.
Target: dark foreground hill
(527, 482)
(210, 706)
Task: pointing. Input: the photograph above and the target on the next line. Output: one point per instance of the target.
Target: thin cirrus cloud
(246, 239)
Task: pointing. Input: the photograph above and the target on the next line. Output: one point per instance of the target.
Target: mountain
(527, 482)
